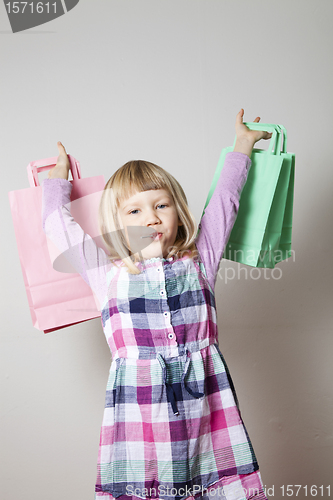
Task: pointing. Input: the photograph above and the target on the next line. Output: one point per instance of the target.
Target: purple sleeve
(220, 214)
(80, 250)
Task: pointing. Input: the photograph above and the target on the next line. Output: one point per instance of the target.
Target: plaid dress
(171, 426)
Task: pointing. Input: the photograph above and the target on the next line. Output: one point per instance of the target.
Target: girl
(171, 427)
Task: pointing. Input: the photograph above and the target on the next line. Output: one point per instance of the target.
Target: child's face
(156, 210)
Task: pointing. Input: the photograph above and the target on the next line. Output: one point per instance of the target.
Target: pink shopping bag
(56, 299)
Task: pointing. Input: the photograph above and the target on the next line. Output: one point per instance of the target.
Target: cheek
(176, 225)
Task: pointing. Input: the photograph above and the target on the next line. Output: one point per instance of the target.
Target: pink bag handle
(35, 167)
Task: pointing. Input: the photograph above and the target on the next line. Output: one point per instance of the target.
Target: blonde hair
(140, 175)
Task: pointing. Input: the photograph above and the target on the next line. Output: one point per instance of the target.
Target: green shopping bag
(261, 236)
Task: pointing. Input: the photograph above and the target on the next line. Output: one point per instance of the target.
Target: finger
(256, 120)
(61, 147)
(239, 117)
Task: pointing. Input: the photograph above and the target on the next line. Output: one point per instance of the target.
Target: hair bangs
(137, 176)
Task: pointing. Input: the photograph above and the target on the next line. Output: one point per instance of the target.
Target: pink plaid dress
(171, 427)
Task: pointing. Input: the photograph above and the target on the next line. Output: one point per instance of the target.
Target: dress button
(158, 269)
(162, 292)
(166, 313)
(170, 335)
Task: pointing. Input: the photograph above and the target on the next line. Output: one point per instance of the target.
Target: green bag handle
(272, 149)
(284, 133)
(278, 132)
(281, 145)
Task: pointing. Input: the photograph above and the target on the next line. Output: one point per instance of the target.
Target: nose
(152, 218)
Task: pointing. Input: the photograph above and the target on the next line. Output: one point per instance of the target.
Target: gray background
(164, 80)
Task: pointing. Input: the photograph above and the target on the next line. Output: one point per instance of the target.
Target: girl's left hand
(246, 138)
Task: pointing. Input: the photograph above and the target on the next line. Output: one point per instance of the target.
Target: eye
(134, 212)
(162, 205)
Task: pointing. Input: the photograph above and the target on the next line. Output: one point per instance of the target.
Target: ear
(179, 222)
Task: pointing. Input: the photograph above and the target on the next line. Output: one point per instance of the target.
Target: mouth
(155, 235)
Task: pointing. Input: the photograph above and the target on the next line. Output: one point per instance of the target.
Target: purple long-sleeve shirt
(92, 262)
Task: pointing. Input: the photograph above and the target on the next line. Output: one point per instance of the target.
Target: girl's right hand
(61, 169)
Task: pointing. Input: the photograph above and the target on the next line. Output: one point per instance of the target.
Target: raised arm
(78, 247)
(220, 214)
